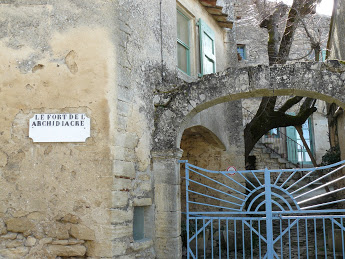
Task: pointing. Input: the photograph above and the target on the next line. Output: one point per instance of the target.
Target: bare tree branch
(289, 103)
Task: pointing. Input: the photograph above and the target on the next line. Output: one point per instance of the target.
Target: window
(301, 151)
(186, 45)
(323, 54)
(296, 150)
(207, 49)
(183, 42)
(273, 133)
(138, 223)
(241, 52)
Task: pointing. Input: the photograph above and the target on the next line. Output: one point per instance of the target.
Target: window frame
(242, 46)
(187, 46)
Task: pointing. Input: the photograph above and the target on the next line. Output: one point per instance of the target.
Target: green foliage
(332, 156)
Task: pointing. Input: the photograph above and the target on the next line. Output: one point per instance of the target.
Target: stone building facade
(104, 59)
(117, 194)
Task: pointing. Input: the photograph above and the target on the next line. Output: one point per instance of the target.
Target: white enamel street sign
(66, 127)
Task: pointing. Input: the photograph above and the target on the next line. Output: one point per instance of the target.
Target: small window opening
(138, 223)
(241, 52)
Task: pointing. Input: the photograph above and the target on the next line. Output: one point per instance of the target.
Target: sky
(325, 7)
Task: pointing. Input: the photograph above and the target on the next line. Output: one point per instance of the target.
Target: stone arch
(207, 134)
(324, 81)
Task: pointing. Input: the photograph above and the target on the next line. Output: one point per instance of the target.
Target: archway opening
(209, 149)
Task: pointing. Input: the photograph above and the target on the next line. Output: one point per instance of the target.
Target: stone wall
(202, 150)
(55, 198)
(104, 59)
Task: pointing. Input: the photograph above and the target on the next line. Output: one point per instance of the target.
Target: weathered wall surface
(103, 58)
(248, 33)
(55, 198)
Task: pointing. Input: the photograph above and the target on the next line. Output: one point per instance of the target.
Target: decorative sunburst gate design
(292, 213)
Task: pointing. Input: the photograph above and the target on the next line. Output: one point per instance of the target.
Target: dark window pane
(138, 223)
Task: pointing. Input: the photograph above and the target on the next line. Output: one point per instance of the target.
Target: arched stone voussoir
(325, 81)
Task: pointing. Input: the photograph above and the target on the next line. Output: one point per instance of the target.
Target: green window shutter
(291, 144)
(207, 49)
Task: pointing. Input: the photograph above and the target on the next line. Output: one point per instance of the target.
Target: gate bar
(269, 227)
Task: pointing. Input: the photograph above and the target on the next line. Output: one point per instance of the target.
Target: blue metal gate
(292, 213)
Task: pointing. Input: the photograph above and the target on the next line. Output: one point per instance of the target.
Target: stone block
(20, 225)
(142, 244)
(30, 241)
(119, 248)
(20, 237)
(167, 197)
(168, 224)
(120, 216)
(142, 202)
(124, 94)
(3, 229)
(60, 242)
(9, 236)
(122, 184)
(37, 216)
(123, 108)
(3, 158)
(14, 253)
(99, 249)
(168, 248)
(46, 240)
(123, 168)
(73, 241)
(120, 199)
(120, 153)
(70, 218)
(126, 140)
(166, 171)
(73, 250)
(57, 230)
(14, 243)
(145, 186)
(124, 154)
(144, 177)
(122, 122)
(82, 232)
(129, 256)
(118, 231)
